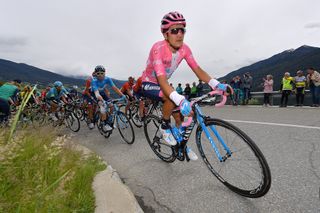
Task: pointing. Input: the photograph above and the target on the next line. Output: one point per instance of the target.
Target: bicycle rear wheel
(245, 171)
(125, 128)
(151, 130)
(156, 110)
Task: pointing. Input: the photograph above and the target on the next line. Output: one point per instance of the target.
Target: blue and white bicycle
(228, 152)
(117, 119)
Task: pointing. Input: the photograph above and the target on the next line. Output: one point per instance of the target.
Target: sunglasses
(100, 73)
(175, 31)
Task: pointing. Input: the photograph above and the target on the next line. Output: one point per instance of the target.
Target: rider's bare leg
(168, 107)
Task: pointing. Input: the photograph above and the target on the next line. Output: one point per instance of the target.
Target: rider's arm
(87, 92)
(201, 74)
(11, 101)
(129, 93)
(114, 87)
(63, 98)
(95, 89)
(107, 92)
(213, 83)
(87, 88)
(117, 90)
(97, 94)
(36, 100)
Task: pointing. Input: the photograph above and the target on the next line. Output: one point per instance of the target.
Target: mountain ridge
(10, 70)
(290, 60)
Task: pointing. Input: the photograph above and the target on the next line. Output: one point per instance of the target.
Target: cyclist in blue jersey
(98, 86)
(56, 94)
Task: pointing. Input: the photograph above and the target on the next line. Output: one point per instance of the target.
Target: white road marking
(275, 124)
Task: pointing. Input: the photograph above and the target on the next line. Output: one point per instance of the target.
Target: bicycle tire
(38, 120)
(234, 181)
(72, 122)
(135, 119)
(98, 123)
(155, 109)
(83, 115)
(169, 155)
(125, 123)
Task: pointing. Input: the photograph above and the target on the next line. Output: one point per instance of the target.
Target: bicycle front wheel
(72, 122)
(243, 169)
(125, 128)
(39, 119)
(136, 119)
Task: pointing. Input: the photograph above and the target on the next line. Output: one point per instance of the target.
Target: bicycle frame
(201, 119)
(115, 109)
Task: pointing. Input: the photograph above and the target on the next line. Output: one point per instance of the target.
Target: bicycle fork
(202, 122)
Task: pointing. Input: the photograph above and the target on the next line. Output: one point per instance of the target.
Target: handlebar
(210, 94)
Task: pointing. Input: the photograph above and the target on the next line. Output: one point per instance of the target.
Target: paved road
(293, 154)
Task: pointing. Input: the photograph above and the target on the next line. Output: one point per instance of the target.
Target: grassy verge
(38, 173)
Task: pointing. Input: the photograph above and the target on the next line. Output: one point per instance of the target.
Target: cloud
(11, 46)
(6, 41)
(312, 25)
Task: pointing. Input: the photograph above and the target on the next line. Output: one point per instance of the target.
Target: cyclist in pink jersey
(164, 58)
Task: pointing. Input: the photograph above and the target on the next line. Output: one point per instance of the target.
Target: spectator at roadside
(199, 88)
(171, 85)
(300, 85)
(193, 90)
(313, 79)
(236, 85)
(267, 90)
(247, 86)
(286, 88)
(179, 89)
(187, 91)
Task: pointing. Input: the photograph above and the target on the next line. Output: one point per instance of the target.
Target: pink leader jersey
(162, 61)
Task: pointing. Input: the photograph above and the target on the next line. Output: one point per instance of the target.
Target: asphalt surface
(292, 152)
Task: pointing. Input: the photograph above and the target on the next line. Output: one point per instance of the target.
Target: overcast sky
(72, 36)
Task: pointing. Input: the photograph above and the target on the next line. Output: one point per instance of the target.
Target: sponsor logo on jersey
(151, 87)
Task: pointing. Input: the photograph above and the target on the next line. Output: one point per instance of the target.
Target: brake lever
(212, 93)
(221, 93)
